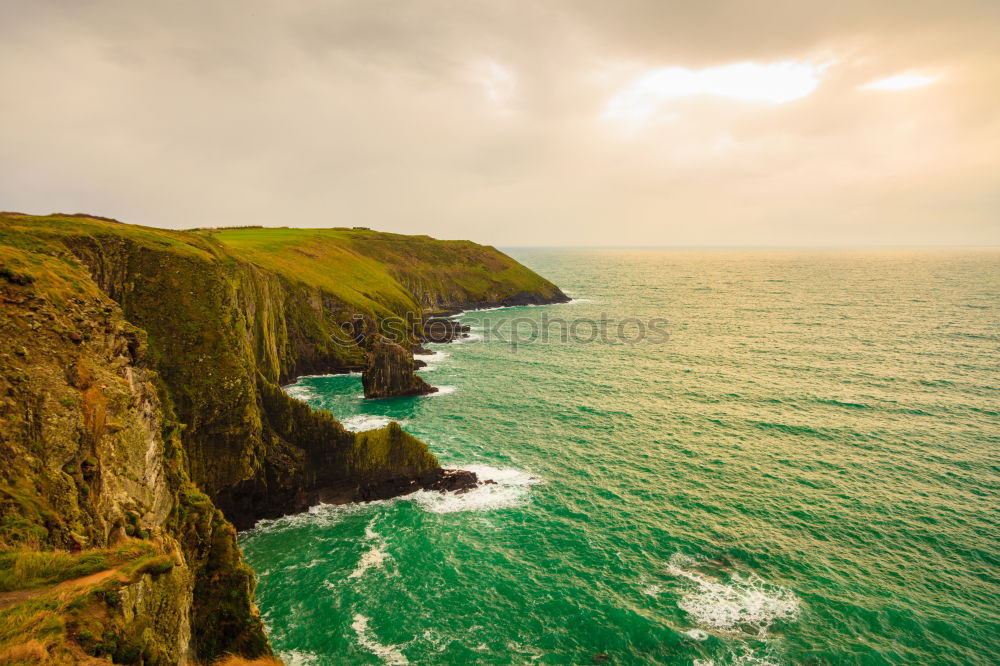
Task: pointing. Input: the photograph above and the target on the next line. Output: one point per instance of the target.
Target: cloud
(487, 120)
(775, 83)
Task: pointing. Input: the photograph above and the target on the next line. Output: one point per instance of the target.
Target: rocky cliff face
(140, 394)
(91, 460)
(389, 372)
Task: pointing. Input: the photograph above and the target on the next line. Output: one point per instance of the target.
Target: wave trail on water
(375, 556)
(744, 602)
(389, 654)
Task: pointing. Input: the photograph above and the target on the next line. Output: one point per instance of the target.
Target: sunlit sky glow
(900, 82)
(513, 122)
(774, 83)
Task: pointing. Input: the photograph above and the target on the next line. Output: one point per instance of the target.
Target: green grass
(58, 225)
(322, 259)
(366, 268)
(25, 569)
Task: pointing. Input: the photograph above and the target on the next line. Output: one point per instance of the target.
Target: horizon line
(752, 247)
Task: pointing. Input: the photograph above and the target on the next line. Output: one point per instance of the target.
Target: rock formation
(389, 372)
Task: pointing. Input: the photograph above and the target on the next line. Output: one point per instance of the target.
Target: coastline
(156, 358)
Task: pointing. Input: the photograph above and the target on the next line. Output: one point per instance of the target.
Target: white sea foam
(509, 489)
(652, 590)
(696, 634)
(300, 391)
(442, 390)
(375, 556)
(361, 422)
(389, 654)
(299, 658)
(433, 361)
(469, 337)
(319, 515)
(742, 602)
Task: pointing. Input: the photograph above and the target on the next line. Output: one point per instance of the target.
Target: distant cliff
(140, 390)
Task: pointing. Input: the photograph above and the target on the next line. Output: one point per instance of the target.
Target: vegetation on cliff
(140, 393)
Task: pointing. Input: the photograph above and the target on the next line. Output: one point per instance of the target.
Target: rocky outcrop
(389, 372)
(442, 480)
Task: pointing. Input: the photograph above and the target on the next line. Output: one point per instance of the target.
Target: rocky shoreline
(458, 481)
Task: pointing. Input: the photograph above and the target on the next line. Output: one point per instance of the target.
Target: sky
(513, 123)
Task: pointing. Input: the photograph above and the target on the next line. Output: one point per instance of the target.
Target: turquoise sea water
(806, 472)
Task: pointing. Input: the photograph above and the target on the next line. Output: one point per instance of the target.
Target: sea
(707, 457)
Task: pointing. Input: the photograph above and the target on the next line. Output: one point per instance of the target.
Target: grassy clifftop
(368, 271)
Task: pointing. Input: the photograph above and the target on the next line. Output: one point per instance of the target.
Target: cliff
(141, 410)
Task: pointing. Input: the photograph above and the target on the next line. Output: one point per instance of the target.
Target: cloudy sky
(581, 122)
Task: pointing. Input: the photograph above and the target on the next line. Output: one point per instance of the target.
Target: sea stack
(389, 371)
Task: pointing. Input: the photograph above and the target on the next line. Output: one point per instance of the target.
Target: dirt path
(8, 599)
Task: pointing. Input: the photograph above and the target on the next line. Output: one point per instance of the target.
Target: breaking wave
(509, 489)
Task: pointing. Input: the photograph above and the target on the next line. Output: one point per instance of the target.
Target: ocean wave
(744, 602)
(321, 515)
(509, 490)
(389, 654)
(441, 390)
(362, 422)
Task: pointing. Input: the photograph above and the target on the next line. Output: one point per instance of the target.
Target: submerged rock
(389, 372)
